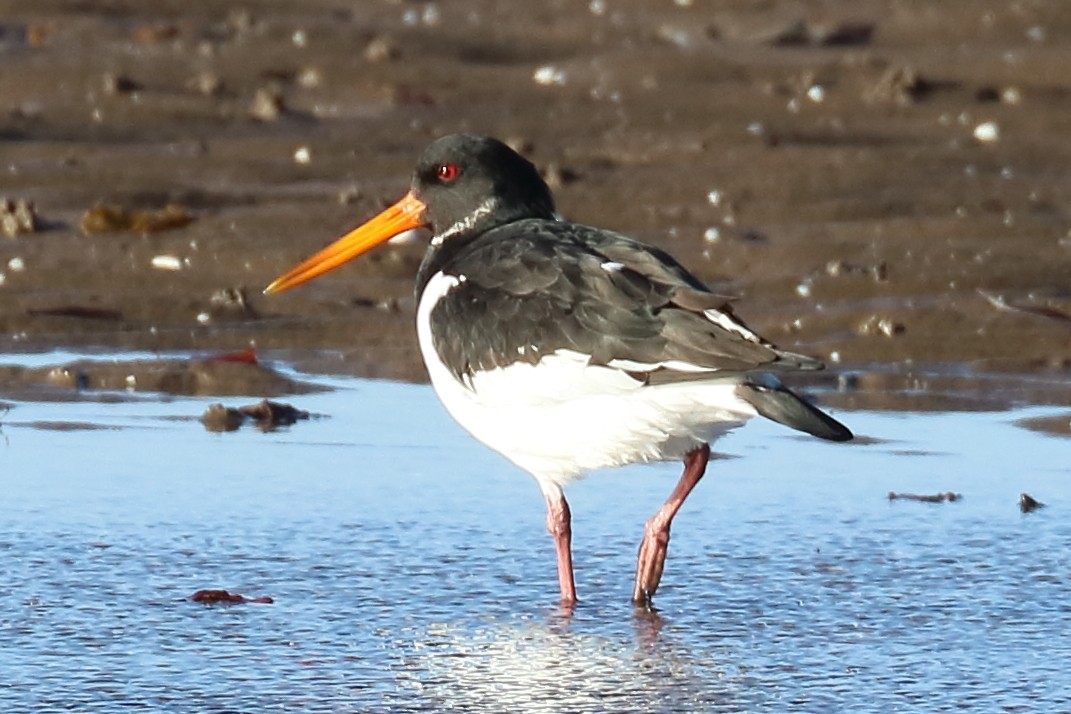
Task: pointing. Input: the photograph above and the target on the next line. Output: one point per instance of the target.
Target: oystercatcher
(568, 348)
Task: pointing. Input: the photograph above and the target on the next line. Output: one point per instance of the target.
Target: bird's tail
(774, 401)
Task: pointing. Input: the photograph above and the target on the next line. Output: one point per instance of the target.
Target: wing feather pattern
(535, 286)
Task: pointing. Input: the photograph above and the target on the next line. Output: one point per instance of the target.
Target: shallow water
(410, 570)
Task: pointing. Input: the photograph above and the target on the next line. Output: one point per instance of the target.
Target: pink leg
(652, 556)
(559, 523)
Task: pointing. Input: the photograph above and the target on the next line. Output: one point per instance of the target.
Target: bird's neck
(440, 254)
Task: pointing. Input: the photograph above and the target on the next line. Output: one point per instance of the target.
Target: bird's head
(463, 185)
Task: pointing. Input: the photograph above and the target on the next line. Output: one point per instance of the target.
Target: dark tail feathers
(781, 405)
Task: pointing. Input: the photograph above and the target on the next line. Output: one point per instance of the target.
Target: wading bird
(568, 348)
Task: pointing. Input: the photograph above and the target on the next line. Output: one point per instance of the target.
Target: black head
(463, 185)
(473, 183)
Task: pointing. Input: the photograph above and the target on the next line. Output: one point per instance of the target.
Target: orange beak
(404, 215)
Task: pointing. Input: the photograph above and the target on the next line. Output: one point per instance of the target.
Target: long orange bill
(404, 215)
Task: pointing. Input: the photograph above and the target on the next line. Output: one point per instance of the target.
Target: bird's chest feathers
(466, 329)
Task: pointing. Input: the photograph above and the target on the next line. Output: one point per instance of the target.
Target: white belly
(562, 417)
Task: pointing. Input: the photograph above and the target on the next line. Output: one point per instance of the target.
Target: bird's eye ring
(447, 172)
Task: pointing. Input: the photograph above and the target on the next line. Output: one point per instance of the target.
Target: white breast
(563, 416)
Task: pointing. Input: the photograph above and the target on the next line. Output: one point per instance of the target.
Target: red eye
(448, 172)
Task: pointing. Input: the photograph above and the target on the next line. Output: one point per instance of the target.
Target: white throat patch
(466, 223)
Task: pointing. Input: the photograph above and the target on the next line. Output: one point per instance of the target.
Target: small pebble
(381, 49)
(884, 326)
(557, 175)
(155, 33)
(17, 217)
(1011, 95)
(310, 78)
(220, 418)
(63, 377)
(431, 15)
(114, 84)
(348, 195)
(987, 132)
(167, 262)
(206, 83)
(230, 302)
(267, 105)
(548, 75)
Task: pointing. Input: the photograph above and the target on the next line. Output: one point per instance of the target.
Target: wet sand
(883, 186)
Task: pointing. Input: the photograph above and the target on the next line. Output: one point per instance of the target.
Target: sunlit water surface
(410, 569)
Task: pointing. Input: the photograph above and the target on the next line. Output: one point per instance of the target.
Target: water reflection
(563, 664)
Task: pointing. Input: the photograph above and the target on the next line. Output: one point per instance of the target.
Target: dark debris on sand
(946, 497)
(265, 415)
(1028, 503)
(213, 597)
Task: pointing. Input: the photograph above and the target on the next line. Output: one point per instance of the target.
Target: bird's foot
(650, 562)
(652, 556)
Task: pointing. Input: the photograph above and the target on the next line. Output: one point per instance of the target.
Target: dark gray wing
(536, 286)
(774, 401)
